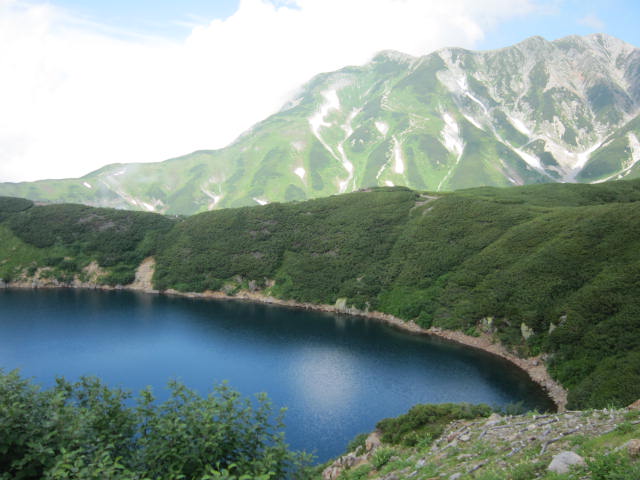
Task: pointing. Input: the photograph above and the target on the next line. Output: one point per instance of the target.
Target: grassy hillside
(546, 269)
(463, 442)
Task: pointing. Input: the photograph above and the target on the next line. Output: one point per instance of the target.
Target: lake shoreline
(534, 367)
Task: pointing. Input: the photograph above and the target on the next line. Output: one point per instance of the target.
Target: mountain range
(535, 112)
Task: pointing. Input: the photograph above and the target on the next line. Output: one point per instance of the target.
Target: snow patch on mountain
(398, 165)
(530, 159)
(452, 142)
(215, 197)
(260, 201)
(319, 120)
(87, 184)
(451, 135)
(571, 162)
(634, 146)
(519, 125)
(464, 86)
(382, 127)
(583, 157)
(635, 149)
(298, 145)
(300, 172)
(346, 163)
(473, 121)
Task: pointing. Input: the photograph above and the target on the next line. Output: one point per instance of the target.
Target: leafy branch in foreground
(86, 430)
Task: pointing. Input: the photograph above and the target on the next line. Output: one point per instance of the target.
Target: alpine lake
(337, 375)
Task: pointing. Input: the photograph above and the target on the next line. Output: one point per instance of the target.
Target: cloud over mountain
(77, 95)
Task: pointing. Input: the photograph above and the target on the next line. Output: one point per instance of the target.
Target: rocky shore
(505, 447)
(533, 366)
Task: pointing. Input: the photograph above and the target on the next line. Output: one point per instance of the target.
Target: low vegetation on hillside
(85, 430)
(466, 442)
(545, 269)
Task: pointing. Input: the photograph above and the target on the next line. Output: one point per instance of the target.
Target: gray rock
(455, 476)
(493, 419)
(526, 332)
(562, 462)
(634, 406)
(421, 463)
(372, 442)
(633, 447)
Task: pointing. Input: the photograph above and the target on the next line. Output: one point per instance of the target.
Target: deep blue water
(338, 375)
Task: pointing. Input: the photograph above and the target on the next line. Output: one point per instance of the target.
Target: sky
(85, 83)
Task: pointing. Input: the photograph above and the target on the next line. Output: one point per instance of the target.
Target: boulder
(341, 304)
(486, 325)
(493, 419)
(633, 447)
(562, 462)
(526, 332)
(634, 406)
(372, 442)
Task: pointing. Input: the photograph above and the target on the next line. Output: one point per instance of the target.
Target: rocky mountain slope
(595, 444)
(539, 111)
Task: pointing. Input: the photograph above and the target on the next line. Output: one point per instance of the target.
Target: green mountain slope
(545, 269)
(535, 112)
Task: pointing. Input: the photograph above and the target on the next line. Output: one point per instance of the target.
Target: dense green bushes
(425, 423)
(564, 260)
(316, 251)
(85, 431)
(73, 235)
(9, 205)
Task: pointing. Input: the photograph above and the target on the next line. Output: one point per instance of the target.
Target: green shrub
(613, 466)
(86, 430)
(358, 441)
(381, 457)
(426, 422)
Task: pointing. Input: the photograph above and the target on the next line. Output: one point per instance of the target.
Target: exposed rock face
(633, 448)
(352, 459)
(564, 461)
(503, 443)
(527, 332)
(635, 405)
(345, 462)
(144, 275)
(372, 442)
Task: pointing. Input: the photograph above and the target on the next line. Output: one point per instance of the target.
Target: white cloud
(592, 21)
(75, 97)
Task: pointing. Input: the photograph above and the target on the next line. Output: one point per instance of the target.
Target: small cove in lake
(338, 375)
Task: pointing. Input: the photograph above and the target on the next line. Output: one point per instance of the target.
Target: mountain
(539, 111)
(550, 271)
